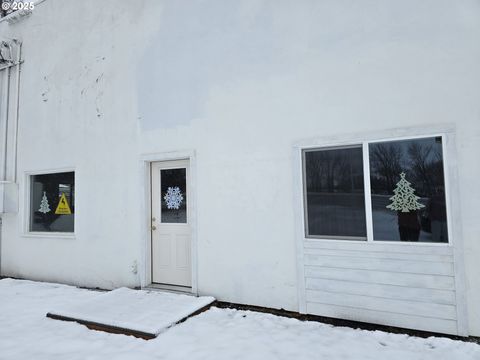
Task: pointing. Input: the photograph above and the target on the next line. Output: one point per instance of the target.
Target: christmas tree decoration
(173, 198)
(404, 199)
(44, 206)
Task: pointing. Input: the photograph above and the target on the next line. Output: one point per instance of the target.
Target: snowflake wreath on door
(173, 198)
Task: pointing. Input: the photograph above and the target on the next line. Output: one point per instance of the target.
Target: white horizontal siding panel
(398, 266)
(363, 246)
(446, 297)
(380, 255)
(382, 277)
(362, 302)
(384, 318)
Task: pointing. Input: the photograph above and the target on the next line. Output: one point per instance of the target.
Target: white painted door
(171, 232)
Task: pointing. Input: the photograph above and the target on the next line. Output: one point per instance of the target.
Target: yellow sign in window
(63, 208)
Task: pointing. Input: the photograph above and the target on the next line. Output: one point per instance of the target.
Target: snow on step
(143, 311)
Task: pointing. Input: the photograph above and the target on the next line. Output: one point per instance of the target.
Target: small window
(52, 202)
(334, 193)
(174, 195)
(408, 190)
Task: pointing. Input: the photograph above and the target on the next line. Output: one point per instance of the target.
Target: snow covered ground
(25, 333)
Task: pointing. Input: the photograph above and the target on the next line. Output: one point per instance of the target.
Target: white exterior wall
(239, 83)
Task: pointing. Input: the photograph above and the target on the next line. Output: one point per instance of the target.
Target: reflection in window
(52, 202)
(408, 190)
(174, 195)
(334, 193)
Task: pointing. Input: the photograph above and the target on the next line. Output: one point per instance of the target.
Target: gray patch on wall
(213, 45)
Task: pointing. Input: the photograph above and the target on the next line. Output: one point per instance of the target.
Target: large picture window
(406, 185)
(52, 202)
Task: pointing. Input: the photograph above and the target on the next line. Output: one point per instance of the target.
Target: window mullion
(368, 197)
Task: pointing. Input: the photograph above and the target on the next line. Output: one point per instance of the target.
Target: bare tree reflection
(386, 163)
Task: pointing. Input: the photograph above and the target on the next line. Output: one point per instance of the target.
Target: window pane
(174, 195)
(52, 202)
(408, 190)
(334, 193)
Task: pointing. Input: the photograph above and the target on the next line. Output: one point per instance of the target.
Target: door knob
(154, 227)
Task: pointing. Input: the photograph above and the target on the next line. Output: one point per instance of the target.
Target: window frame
(27, 206)
(304, 186)
(364, 144)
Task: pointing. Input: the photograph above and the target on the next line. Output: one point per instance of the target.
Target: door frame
(145, 270)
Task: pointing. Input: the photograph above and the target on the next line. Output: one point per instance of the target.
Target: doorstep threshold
(185, 290)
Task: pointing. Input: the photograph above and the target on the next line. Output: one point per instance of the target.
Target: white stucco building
(250, 150)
